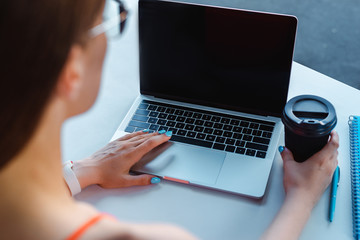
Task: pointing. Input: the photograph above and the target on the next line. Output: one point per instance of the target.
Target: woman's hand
(311, 178)
(304, 184)
(109, 167)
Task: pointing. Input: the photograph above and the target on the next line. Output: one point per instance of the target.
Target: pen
(334, 187)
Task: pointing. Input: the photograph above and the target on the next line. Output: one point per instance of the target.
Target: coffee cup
(308, 122)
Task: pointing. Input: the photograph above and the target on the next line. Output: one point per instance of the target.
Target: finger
(138, 180)
(329, 149)
(130, 135)
(143, 136)
(150, 144)
(287, 155)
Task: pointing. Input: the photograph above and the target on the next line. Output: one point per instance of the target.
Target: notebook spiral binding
(354, 127)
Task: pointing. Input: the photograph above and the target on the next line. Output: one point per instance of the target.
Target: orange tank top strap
(83, 228)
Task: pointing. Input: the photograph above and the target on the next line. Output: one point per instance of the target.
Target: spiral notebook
(354, 125)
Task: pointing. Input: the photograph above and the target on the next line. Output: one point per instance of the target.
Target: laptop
(218, 79)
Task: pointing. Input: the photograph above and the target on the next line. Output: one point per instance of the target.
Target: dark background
(328, 38)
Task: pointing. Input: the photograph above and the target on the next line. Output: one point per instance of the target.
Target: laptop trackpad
(185, 162)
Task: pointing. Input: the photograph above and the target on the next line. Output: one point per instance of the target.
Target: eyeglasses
(115, 15)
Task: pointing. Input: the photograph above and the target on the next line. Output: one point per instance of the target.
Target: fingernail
(146, 130)
(281, 149)
(155, 180)
(169, 133)
(162, 131)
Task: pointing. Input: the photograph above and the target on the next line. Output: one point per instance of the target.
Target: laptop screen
(233, 59)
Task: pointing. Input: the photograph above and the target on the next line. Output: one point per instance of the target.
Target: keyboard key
(179, 112)
(219, 146)
(200, 136)
(227, 127)
(140, 118)
(237, 136)
(180, 119)
(250, 152)
(174, 130)
(191, 134)
(267, 134)
(163, 128)
(154, 127)
(208, 130)
(261, 140)
(129, 129)
(208, 124)
(220, 140)
(152, 120)
(225, 120)
(181, 132)
(230, 148)
(161, 122)
(188, 114)
(261, 154)
(170, 124)
(210, 138)
(190, 120)
(244, 124)
(230, 141)
(215, 119)
(189, 127)
(206, 117)
(266, 128)
(247, 131)
(256, 146)
(162, 115)
(254, 125)
(191, 141)
(199, 129)
(227, 134)
(237, 129)
(247, 138)
(143, 106)
(170, 110)
(151, 131)
(240, 143)
(142, 112)
(139, 129)
(180, 125)
(218, 125)
(161, 109)
(240, 150)
(234, 122)
(152, 107)
(197, 115)
(257, 133)
(139, 124)
(199, 122)
(218, 132)
(153, 114)
(171, 117)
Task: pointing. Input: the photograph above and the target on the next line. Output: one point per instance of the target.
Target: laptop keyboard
(219, 131)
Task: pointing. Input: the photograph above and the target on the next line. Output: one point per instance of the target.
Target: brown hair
(36, 37)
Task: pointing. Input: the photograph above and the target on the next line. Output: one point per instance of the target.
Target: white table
(208, 214)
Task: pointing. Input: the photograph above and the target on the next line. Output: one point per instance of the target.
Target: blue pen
(334, 187)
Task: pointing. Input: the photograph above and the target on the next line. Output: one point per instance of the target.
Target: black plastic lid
(309, 116)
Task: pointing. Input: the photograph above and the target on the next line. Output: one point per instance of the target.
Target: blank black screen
(229, 58)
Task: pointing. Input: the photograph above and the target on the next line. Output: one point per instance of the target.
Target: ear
(70, 79)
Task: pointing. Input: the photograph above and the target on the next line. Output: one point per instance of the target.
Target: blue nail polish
(281, 149)
(146, 130)
(169, 133)
(155, 180)
(162, 132)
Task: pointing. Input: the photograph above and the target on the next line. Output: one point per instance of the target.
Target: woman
(51, 67)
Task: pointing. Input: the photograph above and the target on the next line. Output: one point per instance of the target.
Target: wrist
(302, 198)
(86, 173)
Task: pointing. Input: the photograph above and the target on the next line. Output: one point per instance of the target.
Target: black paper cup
(308, 122)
